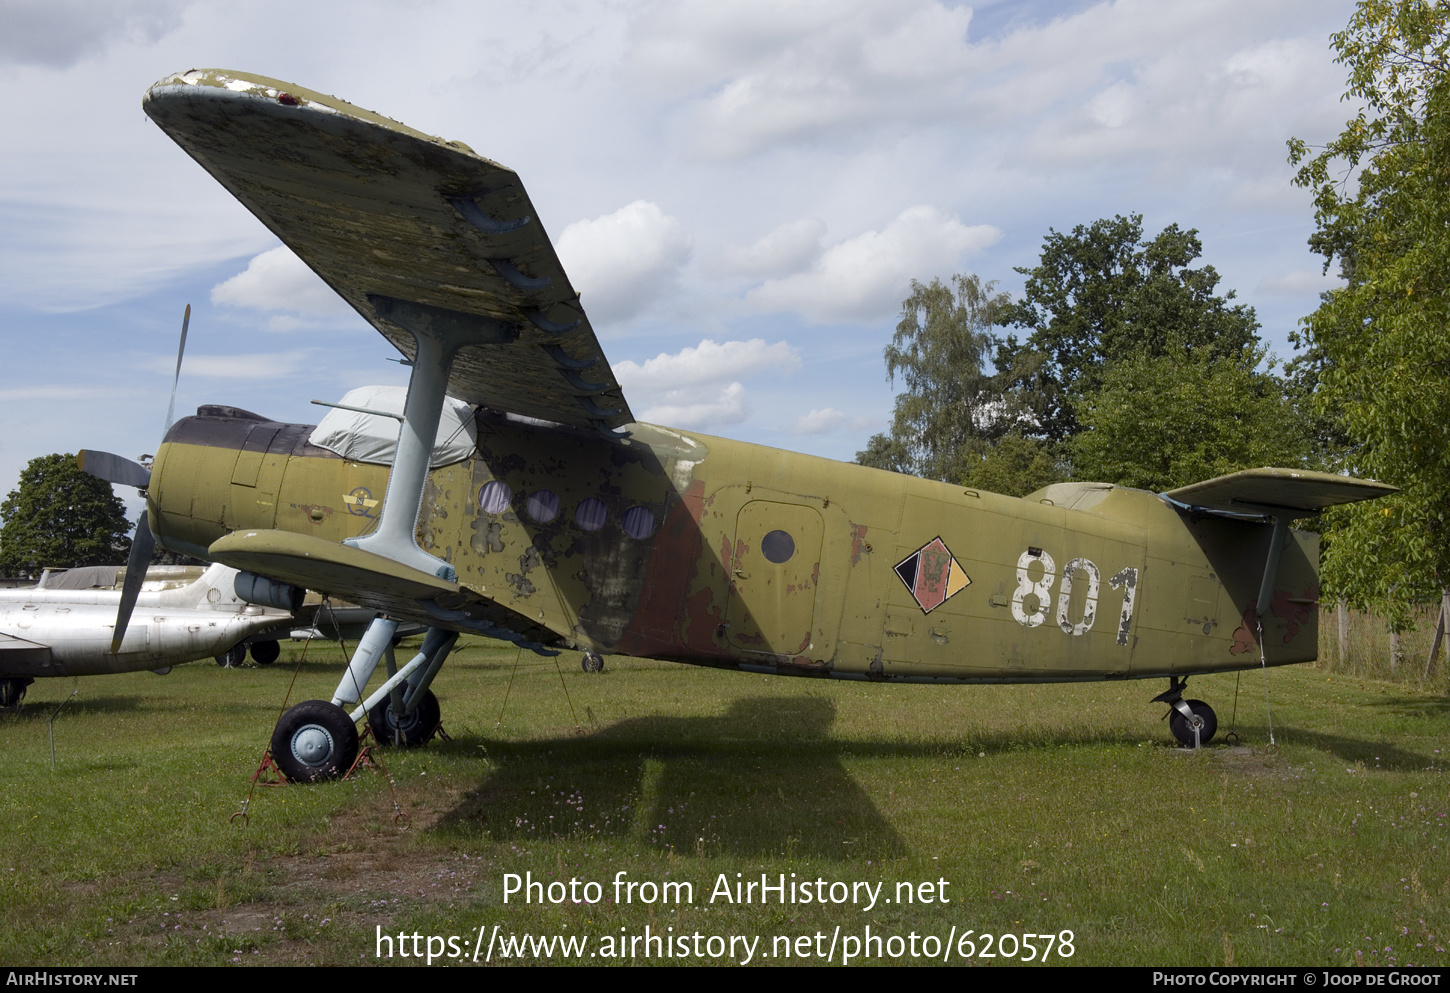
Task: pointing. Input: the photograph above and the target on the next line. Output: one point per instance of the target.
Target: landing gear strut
(1192, 722)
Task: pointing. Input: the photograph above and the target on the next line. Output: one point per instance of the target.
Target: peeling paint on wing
(858, 542)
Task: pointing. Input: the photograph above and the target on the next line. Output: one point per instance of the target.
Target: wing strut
(437, 343)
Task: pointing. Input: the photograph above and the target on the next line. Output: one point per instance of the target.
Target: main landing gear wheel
(412, 729)
(313, 741)
(1203, 716)
(233, 657)
(12, 691)
(592, 662)
(265, 652)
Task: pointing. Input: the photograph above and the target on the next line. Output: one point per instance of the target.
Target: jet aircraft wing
(409, 229)
(19, 655)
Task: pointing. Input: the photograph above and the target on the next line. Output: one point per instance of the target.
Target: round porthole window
(777, 547)
(543, 505)
(495, 497)
(590, 514)
(638, 522)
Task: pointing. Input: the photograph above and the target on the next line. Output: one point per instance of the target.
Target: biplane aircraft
(569, 526)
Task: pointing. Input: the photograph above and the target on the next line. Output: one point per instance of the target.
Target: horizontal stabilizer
(1260, 491)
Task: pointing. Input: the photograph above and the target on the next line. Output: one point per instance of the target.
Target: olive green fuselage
(678, 546)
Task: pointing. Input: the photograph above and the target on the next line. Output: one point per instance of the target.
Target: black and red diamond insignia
(932, 575)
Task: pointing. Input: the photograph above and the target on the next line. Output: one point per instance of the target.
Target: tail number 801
(1078, 570)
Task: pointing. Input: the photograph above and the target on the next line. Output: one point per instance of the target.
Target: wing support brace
(438, 342)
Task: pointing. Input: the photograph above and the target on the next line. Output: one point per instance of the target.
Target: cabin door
(775, 568)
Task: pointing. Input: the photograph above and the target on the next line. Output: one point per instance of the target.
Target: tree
(1382, 204)
(951, 405)
(61, 516)
(1014, 465)
(1103, 294)
(1161, 421)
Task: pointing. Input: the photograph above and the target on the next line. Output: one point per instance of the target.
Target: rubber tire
(416, 728)
(1183, 731)
(314, 741)
(592, 662)
(233, 657)
(12, 691)
(265, 652)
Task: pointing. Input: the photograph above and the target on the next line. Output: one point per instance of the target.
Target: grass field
(1043, 809)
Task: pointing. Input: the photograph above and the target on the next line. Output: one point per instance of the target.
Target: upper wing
(408, 228)
(1256, 491)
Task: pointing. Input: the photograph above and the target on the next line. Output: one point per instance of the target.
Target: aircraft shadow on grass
(39, 712)
(1374, 754)
(1416, 706)
(763, 779)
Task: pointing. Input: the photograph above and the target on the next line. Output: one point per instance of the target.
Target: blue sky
(741, 191)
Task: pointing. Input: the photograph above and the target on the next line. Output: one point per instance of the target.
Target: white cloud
(259, 365)
(864, 278)
(708, 362)
(623, 262)
(59, 33)
(820, 421)
(784, 71)
(726, 407)
(278, 280)
(1299, 282)
(788, 249)
(828, 419)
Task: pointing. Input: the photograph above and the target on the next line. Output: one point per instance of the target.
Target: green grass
(1046, 809)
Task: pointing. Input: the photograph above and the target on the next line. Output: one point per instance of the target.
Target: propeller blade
(142, 545)
(180, 351)
(114, 469)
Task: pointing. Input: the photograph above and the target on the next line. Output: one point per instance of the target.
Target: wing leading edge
(410, 230)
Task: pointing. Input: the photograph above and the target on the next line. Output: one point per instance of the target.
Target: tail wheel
(592, 662)
(1203, 718)
(411, 730)
(313, 741)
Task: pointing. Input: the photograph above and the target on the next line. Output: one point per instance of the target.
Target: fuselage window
(495, 497)
(777, 547)
(543, 505)
(590, 514)
(638, 522)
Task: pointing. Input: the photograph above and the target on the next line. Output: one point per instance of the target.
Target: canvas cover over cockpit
(373, 438)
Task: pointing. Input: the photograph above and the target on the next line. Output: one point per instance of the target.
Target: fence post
(1439, 633)
(1342, 611)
